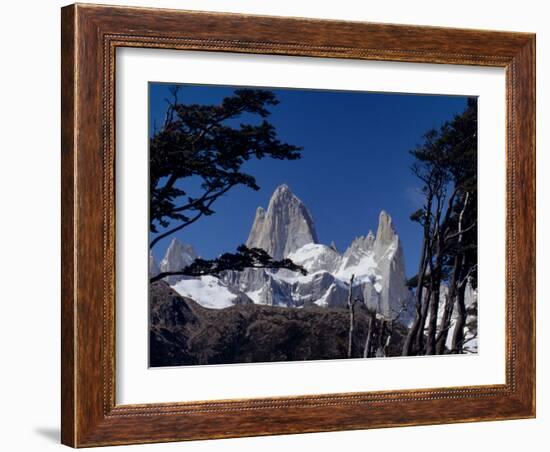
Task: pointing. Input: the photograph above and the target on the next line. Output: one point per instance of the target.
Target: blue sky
(355, 163)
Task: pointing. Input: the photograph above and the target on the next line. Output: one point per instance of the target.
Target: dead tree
(440, 244)
(451, 297)
(410, 340)
(351, 316)
(446, 164)
(458, 334)
(370, 334)
(415, 338)
(380, 330)
(428, 278)
(462, 312)
(384, 337)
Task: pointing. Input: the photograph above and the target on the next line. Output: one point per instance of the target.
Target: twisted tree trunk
(445, 325)
(351, 316)
(457, 271)
(383, 338)
(419, 344)
(368, 342)
(458, 334)
(411, 339)
(434, 308)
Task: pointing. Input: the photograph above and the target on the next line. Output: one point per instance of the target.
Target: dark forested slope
(184, 333)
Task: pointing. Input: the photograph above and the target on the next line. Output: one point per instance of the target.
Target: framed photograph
(281, 225)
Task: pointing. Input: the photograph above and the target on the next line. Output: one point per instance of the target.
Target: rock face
(153, 266)
(285, 227)
(177, 257)
(389, 256)
(286, 230)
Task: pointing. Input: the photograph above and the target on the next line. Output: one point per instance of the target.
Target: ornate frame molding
(90, 37)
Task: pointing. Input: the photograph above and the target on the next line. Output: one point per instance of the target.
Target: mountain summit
(178, 256)
(286, 230)
(285, 227)
(385, 233)
(391, 264)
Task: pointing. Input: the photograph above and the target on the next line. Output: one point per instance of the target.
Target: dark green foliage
(412, 282)
(244, 258)
(417, 216)
(202, 144)
(446, 164)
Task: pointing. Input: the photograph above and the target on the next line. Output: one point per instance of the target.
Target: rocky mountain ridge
(286, 229)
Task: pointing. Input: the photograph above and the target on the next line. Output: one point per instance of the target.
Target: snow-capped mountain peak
(154, 268)
(284, 227)
(316, 257)
(178, 256)
(286, 230)
(360, 247)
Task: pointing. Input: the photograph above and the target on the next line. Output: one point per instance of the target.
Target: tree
(200, 146)
(351, 304)
(367, 351)
(244, 258)
(446, 164)
(380, 330)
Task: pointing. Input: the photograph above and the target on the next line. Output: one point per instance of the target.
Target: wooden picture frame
(90, 36)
